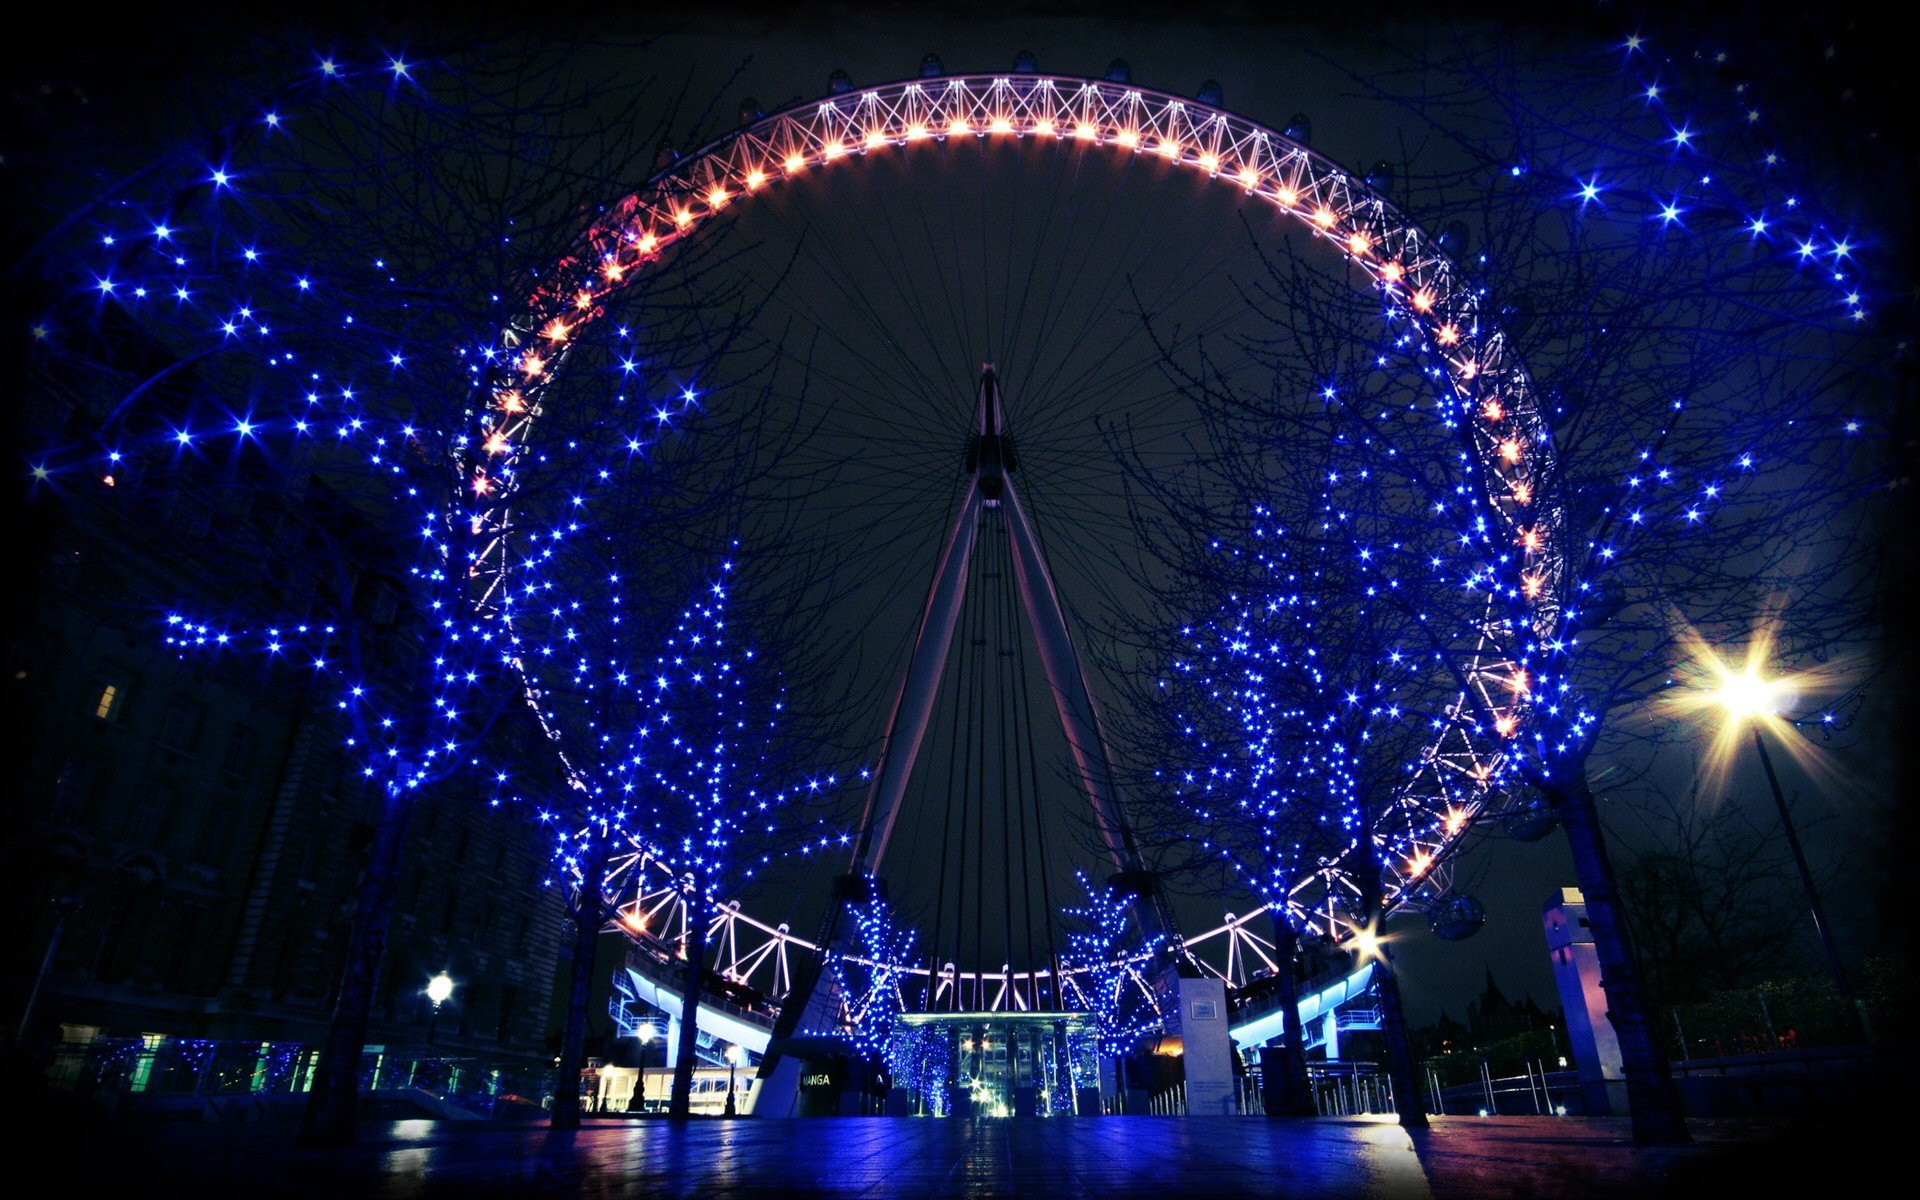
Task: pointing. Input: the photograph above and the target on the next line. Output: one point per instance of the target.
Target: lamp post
(1750, 698)
(646, 1033)
(734, 1055)
(439, 988)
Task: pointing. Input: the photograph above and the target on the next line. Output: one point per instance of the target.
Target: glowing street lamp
(439, 989)
(1749, 700)
(735, 1056)
(648, 1033)
(1747, 696)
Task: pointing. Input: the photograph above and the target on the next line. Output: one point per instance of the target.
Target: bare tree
(1710, 893)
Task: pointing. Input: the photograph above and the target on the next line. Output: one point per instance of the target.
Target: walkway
(1165, 1158)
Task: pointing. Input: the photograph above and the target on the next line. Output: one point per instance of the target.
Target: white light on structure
(648, 1033)
(439, 988)
(1366, 943)
(736, 1055)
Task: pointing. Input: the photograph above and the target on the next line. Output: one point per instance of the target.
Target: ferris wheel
(929, 163)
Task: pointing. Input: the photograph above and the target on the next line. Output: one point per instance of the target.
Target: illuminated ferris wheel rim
(1454, 779)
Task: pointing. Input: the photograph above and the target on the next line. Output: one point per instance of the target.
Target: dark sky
(988, 246)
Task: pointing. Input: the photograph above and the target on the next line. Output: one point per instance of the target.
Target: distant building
(1491, 1016)
(1444, 1036)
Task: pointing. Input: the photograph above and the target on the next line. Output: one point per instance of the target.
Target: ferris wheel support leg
(811, 1005)
(1068, 683)
(913, 707)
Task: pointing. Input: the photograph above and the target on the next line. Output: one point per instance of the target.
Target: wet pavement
(1165, 1158)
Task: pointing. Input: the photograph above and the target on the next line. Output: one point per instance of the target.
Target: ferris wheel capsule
(839, 82)
(1299, 129)
(1379, 177)
(1516, 315)
(1457, 918)
(1530, 820)
(1455, 239)
(931, 67)
(1119, 72)
(1024, 63)
(750, 111)
(1210, 94)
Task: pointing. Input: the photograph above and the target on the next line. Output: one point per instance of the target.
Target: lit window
(107, 708)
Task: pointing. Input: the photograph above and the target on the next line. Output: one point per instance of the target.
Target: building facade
(202, 824)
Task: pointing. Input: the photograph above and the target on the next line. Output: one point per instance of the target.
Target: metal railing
(1339, 1089)
(1536, 1091)
(177, 1072)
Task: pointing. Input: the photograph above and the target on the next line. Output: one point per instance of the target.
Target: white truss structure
(750, 952)
(1457, 778)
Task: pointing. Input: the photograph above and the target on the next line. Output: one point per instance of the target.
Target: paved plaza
(1165, 1158)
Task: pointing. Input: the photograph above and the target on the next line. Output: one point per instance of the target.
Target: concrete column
(673, 1041)
(1576, 969)
(1330, 1030)
(1206, 1044)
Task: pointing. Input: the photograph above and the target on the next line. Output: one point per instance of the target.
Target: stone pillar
(1206, 1044)
(1576, 969)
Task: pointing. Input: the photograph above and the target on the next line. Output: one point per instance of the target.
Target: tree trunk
(585, 915)
(1651, 1097)
(1407, 1100)
(1295, 1090)
(680, 1106)
(327, 1119)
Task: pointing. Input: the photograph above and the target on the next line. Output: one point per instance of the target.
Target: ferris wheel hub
(989, 450)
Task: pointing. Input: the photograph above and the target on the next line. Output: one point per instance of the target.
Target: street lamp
(439, 988)
(1749, 698)
(734, 1055)
(646, 1033)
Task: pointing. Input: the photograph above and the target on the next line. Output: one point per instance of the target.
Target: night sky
(904, 282)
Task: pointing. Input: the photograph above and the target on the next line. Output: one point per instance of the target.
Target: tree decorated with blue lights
(1103, 969)
(673, 757)
(721, 786)
(605, 684)
(922, 1061)
(870, 983)
(1698, 333)
(255, 359)
(1294, 710)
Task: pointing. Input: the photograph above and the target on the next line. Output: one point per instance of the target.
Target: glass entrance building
(1006, 1064)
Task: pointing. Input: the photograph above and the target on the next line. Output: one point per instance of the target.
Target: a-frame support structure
(990, 495)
